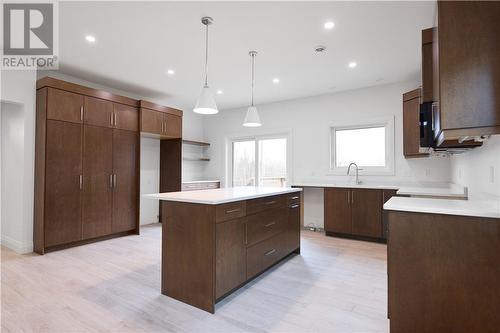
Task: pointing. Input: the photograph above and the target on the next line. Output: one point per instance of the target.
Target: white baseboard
(17, 246)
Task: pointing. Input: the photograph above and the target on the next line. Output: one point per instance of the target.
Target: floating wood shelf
(195, 143)
(205, 159)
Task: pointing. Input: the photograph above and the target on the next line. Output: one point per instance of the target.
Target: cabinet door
(173, 126)
(97, 170)
(98, 112)
(367, 212)
(386, 195)
(151, 121)
(293, 227)
(63, 105)
(230, 266)
(125, 169)
(337, 210)
(62, 183)
(126, 117)
(411, 127)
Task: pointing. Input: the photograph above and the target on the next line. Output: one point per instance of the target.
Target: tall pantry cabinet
(86, 165)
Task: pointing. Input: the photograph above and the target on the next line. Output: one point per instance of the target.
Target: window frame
(287, 134)
(388, 123)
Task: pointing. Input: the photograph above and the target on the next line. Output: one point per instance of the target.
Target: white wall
(18, 125)
(479, 168)
(309, 120)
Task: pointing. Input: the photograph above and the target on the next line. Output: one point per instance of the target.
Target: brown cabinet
(293, 224)
(366, 207)
(264, 254)
(466, 72)
(231, 270)
(411, 124)
(98, 112)
(427, 71)
(338, 210)
(64, 105)
(353, 212)
(86, 170)
(97, 181)
(125, 180)
(160, 121)
(64, 174)
(125, 117)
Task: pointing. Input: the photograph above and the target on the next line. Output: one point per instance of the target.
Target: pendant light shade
(252, 118)
(206, 102)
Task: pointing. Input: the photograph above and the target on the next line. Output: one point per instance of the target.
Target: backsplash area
(479, 169)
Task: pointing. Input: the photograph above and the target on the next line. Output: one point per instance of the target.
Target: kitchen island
(215, 241)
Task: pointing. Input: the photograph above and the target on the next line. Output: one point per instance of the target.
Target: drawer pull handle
(293, 198)
(270, 202)
(268, 253)
(232, 211)
(294, 206)
(270, 224)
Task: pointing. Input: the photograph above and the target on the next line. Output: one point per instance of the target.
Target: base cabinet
(208, 251)
(354, 212)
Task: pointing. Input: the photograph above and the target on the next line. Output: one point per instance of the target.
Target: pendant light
(206, 103)
(252, 118)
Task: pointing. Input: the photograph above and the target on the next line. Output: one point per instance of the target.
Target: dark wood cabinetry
(411, 124)
(63, 171)
(353, 212)
(210, 250)
(86, 168)
(97, 181)
(466, 70)
(160, 121)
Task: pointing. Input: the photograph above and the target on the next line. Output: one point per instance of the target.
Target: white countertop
(416, 190)
(222, 195)
(479, 207)
(200, 181)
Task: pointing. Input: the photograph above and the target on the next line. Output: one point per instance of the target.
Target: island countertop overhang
(222, 195)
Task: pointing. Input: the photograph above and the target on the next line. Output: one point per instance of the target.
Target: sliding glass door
(260, 161)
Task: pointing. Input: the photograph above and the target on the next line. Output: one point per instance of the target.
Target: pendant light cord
(253, 71)
(206, 56)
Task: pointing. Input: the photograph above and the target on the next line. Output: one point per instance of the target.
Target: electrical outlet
(492, 174)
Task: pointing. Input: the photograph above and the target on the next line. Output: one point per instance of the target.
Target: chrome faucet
(357, 169)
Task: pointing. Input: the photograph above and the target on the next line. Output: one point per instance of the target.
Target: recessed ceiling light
(352, 64)
(170, 72)
(329, 25)
(219, 92)
(90, 38)
(320, 48)
(276, 80)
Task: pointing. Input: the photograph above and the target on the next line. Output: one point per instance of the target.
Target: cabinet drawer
(264, 254)
(230, 211)
(262, 204)
(126, 117)
(293, 199)
(264, 225)
(65, 106)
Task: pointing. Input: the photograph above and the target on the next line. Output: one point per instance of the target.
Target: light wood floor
(336, 285)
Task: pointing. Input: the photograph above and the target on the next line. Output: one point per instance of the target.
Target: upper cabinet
(160, 121)
(411, 124)
(466, 70)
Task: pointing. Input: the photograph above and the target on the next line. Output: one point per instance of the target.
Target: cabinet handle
(268, 253)
(348, 198)
(114, 119)
(111, 118)
(162, 127)
(294, 198)
(111, 181)
(165, 127)
(294, 206)
(270, 202)
(114, 180)
(352, 197)
(80, 181)
(270, 224)
(232, 211)
(81, 113)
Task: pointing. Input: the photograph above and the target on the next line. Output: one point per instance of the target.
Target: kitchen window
(259, 161)
(370, 145)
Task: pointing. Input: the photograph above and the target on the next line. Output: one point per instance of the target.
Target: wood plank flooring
(335, 285)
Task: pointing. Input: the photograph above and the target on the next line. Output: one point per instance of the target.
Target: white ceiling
(138, 42)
